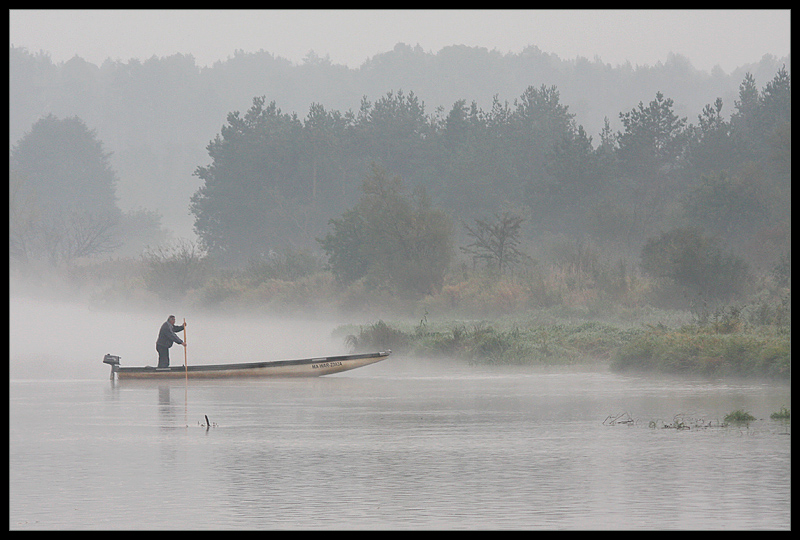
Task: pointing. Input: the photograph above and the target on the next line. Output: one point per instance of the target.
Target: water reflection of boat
(307, 367)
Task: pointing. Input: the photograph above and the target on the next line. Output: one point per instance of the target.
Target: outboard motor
(113, 361)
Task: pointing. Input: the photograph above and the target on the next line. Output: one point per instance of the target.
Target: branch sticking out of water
(620, 419)
(208, 424)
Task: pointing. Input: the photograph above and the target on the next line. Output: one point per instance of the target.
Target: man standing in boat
(166, 337)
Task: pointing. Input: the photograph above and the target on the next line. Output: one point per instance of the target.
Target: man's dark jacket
(167, 335)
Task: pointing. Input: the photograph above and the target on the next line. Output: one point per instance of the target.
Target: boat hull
(308, 367)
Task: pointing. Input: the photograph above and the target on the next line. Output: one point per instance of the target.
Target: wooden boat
(307, 367)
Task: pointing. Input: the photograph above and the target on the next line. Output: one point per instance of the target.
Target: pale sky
(728, 38)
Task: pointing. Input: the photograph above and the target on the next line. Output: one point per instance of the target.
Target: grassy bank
(698, 349)
(693, 351)
(482, 342)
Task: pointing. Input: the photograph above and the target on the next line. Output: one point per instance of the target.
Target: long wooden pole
(185, 353)
(186, 384)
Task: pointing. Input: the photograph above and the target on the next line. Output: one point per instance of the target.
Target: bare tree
(496, 241)
(78, 234)
(22, 217)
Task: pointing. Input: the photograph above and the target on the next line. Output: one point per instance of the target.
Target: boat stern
(113, 361)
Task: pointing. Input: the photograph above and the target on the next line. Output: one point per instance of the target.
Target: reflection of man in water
(166, 337)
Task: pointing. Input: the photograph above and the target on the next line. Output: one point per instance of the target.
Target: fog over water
(402, 444)
(63, 338)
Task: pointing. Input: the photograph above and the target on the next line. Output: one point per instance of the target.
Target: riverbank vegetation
(547, 317)
(728, 348)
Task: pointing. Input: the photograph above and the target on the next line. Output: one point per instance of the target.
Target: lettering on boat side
(325, 364)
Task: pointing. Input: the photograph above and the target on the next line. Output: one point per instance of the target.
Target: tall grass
(481, 342)
(688, 350)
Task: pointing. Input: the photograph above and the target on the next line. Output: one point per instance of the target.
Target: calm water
(398, 445)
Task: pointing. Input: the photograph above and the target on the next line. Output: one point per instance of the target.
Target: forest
(470, 211)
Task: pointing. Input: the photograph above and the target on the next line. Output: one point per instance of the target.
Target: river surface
(403, 444)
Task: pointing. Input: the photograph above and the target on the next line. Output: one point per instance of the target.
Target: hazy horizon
(708, 38)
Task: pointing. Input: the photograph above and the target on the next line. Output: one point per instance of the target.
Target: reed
(739, 417)
(783, 414)
(689, 351)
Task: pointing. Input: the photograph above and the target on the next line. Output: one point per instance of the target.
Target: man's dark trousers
(163, 356)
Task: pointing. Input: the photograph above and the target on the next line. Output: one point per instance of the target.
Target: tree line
(157, 114)
(339, 181)
(276, 180)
